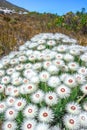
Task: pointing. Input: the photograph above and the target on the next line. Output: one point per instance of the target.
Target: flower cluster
(43, 85)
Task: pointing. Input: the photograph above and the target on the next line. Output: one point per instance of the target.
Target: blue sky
(53, 6)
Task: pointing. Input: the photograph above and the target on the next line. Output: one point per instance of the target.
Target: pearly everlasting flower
(84, 88)
(53, 81)
(15, 92)
(17, 81)
(68, 57)
(35, 79)
(42, 126)
(37, 66)
(80, 79)
(2, 87)
(2, 73)
(28, 66)
(45, 115)
(73, 108)
(14, 61)
(20, 104)
(58, 63)
(51, 98)
(55, 128)
(5, 80)
(85, 105)
(10, 101)
(30, 111)
(28, 124)
(15, 75)
(29, 73)
(46, 64)
(2, 106)
(71, 122)
(62, 48)
(82, 70)
(19, 67)
(52, 69)
(41, 47)
(30, 88)
(51, 43)
(70, 81)
(32, 58)
(37, 97)
(83, 119)
(44, 76)
(59, 56)
(73, 66)
(10, 71)
(10, 114)
(9, 125)
(9, 89)
(63, 91)
(22, 58)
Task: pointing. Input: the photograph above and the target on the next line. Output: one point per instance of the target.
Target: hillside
(5, 4)
(16, 28)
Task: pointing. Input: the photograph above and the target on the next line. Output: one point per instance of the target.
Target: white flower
(17, 81)
(10, 114)
(42, 126)
(2, 87)
(45, 115)
(29, 73)
(28, 124)
(15, 92)
(51, 43)
(2, 73)
(20, 104)
(73, 108)
(80, 79)
(46, 64)
(51, 98)
(37, 66)
(35, 79)
(14, 61)
(55, 128)
(2, 106)
(52, 69)
(73, 66)
(68, 57)
(41, 47)
(84, 57)
(63, 91)
(59, 56)
(58, 63)
(53, 81)
(84, 88)
(9, 125)
(5, 80)
(27, 66)
(9, 89)
(10, 101)
(37, 97)
(82, 70)
(10, 71)
(62, 48)
(22, 58)
(19, 67)
(15, 75)
(70, 81)
(71, 122)
(85, 106)
(30, 111)
(44, 76)
(83, 119)
(30, 88)
(32, 57)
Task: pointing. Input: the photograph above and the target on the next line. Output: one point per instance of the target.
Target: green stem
(81, 98)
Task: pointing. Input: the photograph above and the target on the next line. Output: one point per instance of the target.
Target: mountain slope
(6, 4)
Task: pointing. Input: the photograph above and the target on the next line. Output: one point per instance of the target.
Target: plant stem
(79, 100)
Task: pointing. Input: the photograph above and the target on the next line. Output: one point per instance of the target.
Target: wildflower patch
(43, 85)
